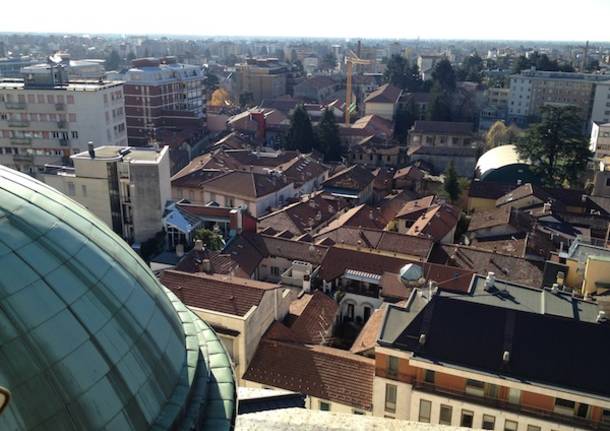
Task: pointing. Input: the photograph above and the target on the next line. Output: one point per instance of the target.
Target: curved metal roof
(89, 339)
(498, 157)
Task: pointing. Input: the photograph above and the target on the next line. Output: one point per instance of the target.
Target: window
(429, 376)
(358, 412)
(445, 415)
(425, 410)
(606, 416)
(74, 134)
(390, 398)
(466, 420)
(392, 366)
(489, 422)
(71, 189)
(582, 411)
(514, 396)
(475, 387)
(275, 271)
(510, 425)
(229, 202)
(324, 406)
(533, 428)
(564, 407)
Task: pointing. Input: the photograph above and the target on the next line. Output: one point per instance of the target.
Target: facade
(89, 324)
(315, 89)
(600, 139)
(441, 134)
(261, 78)
(532, 89)
(45, 118)
(163, 94)
(126, 187)
(425, 64)
(421, 375)
(383, 102)
(239, 322)
(600, 112)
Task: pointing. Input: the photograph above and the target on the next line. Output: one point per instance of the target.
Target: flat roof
(84, 85)
(127, 154)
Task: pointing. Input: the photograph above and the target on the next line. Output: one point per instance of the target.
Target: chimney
(555, 288)
(542, 302)
(490, 281)
(601, 317)
(199, 245)
(206, 266)
(91, 149)
(180, 250)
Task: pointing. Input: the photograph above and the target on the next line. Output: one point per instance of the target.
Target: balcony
(21, 141)
(64, 142)
(60, 106)
(358, 288)
(18, 123)
(15, 105)
(572, 421)
(23, 157)
(62, 124)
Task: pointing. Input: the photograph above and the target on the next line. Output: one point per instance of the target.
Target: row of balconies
(23, 105)
(64, 142)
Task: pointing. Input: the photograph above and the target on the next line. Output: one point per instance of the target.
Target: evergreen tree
(328, 134)
(211, 240)
(452, 185)
(300, 134)
(556, 148)
(439, 108)
(471, 69)
(443, 75)
(399, 73)
(329, 62)
(113, 61)
(403, 120)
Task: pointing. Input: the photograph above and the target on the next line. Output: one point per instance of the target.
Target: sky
(559, 20)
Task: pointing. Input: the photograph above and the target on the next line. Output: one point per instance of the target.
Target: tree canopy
(439, 108)
(501, 134)
(403, 120)
(211, 240)
(328, 135)
(300, 134)
(555, 147)
(399, 73)
(329, 62)
(471, 68)
(113, 61)
(540, 62)
(443, 75)
(451, 186)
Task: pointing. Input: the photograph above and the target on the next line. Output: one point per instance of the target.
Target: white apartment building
(600, 112)
(45, 118)
(126, 187)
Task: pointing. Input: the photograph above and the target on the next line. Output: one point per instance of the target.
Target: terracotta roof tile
(323, 372)
(355, 177)
(231, 295)
(387, 93)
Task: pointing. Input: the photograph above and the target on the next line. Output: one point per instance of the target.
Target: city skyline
(467, 20)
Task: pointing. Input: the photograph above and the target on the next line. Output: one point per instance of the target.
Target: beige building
(448, 369)
(383, 102)
(600, 139)
(45, 117)
(240, 310)
(262, 78)
(126, 187)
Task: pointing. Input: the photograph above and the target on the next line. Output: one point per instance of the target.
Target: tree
(113, 61)
(439, 108)
(555, 147)
(329, 139)
(500, 134)
(451, 184)
(444, 75)
(471, 69)
(211, 239)
(399, 73)
(211, 82)
(300, 134)
(403, 120)
(522, 63)
(329, 62)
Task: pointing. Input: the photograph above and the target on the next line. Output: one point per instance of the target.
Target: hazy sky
(442, 19)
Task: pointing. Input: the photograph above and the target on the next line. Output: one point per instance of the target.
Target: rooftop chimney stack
(490, 280)
(542, 302)
(91, 149)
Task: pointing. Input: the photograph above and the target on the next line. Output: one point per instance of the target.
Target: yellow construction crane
(350, 59)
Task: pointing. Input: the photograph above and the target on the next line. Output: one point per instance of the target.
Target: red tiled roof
(248, 184)
(231, 295)
(338, 259)
(436, 222)
(323, 372)
(367, 338)
(413, 209)
(387, 93)
(355, 177)
(316, 319)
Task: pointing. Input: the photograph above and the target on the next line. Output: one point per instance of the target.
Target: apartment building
(161, 93)
(261, 78)
(491, 360)
(601, 103)
(600, 139)
(45, 117)
(532, 89)
(126, 187)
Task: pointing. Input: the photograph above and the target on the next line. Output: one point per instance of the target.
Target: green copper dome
(89, 339)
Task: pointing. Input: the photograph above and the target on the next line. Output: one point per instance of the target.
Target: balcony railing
(62, 124)
(360, 289)
(15, 105)
(64, 142)
(18, 123)
(21, 141)
(23, 157)
(60, 106)
(504, 405)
